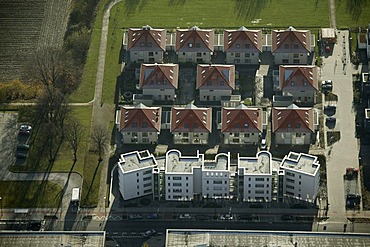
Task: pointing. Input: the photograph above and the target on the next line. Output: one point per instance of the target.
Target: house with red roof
(215, 81)
(146, 45)
(139, 124)
(242, 46)
(241, 125)
(293, 125)
(190, 124)
(300, 82)
(291, 46)
(194, 45)
(159, 80)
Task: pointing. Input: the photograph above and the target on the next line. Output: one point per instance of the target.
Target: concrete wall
(139, 137)
(191, 138)
(146, 56)
(212, 95)
(292, 138)
(160, 94)
(230, 138)
(194, 57)
(301, 186)
(242, 58)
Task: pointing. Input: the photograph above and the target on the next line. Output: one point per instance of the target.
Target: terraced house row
(238, 125)
(176, 177)
(242, 46)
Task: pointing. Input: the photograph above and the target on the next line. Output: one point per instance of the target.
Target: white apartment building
(216, 177)
(182, 176)
(301, 176)
(255, 177)
(135, 174)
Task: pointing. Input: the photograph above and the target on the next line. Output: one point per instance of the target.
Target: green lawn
(352, 13)
(30, 194)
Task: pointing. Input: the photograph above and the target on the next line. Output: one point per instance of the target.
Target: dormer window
(144, 124)
(134, 125)
(246, 125)
(237, 46)
(304, 83)
(149, 44)
(195, 125)
(289, 125)
(298, 125)
(190, 45)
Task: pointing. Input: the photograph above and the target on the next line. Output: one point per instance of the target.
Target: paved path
(333, 23)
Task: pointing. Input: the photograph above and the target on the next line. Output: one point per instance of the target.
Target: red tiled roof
(243, 38)
(191, 119)
(140, 119)
(146, 39)
(187, 40)
(212, 76)
(294, 77)
(241, 119)
(291, 37)
(292, 119)
(159, 76)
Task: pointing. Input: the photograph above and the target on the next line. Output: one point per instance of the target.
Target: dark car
(23, 147)
(25, 129)
(330, 108)
(21, 155)
(353, 201)
(287, 217)
(247, 217)
(331, 120)
(202, 217)
(152, 216)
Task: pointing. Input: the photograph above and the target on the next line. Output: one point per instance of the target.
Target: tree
(74, 136)
(100, 140)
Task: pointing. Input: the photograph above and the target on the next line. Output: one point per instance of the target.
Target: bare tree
(100, 140)
(74, 136)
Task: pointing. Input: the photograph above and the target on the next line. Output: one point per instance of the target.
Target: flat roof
(221, 162)
(301, 162)
(177, 238)
(261, 164)
(47, 239)
(136, 160)
(327, 33)
(177, 163)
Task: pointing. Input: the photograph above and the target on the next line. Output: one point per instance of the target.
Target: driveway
(344, 153)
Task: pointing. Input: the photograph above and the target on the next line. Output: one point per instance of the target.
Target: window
(137, 180)
(290, 187)
(237, 46)
(286, 46)
(151, 54)
(260, 192)
(137, 174)
(247, 55)
(247, 46)
(187, 178)
(292, 83)
(177, 178)
(298, 125)
(177, 190)
(169, 184)
(237, 60)
(237, 54)
(199, 54)
(295, 55)
(147, 184)
(207, 181)
(217, 182)
(290, 174)
(246, 125)
(190, 45)
(260, 179)
(295, 61)
(246, 135)
(177, 184)
(147, 178)
(221, 83)
(141, 44)
(285, 60)
(134, 125)
(289, 125)
(144, 125)
(195, 125)
(290, 180)
(295, 46)
(197, 45)
(149, 44)
(259, 185)
(298, 134)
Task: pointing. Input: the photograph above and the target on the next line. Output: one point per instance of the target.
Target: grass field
(352, 13)
(30, 194)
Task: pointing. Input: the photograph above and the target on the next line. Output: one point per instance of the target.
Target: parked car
(202, 217)
(331, 120)
(152, 216)
(135, 216)
(21, 155)
(184, 216)
(263, 144)
(149, 233)
(330, 108)
(328, 82)
(226, 217)
(353, 201)
(25, 128)
(23, 147)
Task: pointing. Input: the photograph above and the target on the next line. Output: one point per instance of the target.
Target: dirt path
(333, 23)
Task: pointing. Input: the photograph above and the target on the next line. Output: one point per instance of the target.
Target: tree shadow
(354, 8)
(92, 183)
(132, 6)
(249, 10)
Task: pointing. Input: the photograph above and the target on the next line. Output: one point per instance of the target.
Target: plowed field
(26, 25)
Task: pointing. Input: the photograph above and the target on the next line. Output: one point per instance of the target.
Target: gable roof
(159, 76)
(291, 37)
(146, 39)
(215, 76)
(188, 39)
(241, 119)
(294, 77)
(292, 119)
(242, 37)
(191, 119)
(140, 118)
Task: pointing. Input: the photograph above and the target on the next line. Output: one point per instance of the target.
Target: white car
(25, 128)
(263, 144)
(149, 233)
(184, 216)
(226, 217)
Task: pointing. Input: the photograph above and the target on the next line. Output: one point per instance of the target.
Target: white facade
(242, 57)
(241, 138)
(139, 137)
(190, 138)
(160, 94)
(290, 58)
(146, 56)
(216, 177)
(194, 57)
(255, 177)
(213, 95)
(292, 138)
(135, 174)
(302, 176)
